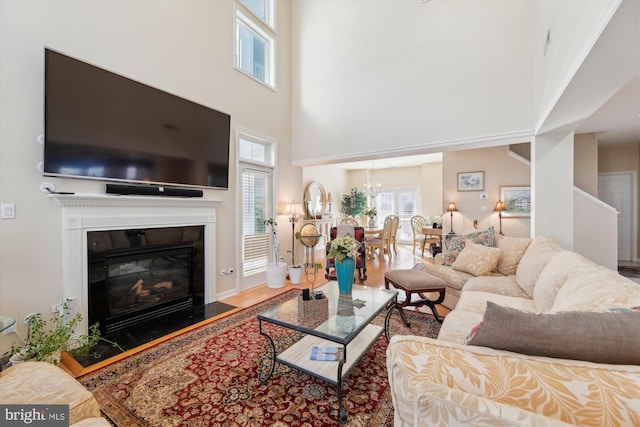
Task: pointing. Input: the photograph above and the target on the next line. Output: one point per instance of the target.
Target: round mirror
(315, 200)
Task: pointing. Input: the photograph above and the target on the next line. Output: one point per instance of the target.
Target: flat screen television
(101, 125)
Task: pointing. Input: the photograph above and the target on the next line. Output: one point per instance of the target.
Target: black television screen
(101, 125)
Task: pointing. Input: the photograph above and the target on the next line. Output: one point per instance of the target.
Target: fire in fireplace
(143, 274)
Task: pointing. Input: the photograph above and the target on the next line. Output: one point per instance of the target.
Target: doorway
(618, 189)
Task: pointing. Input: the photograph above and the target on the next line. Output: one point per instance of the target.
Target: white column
(552, 187)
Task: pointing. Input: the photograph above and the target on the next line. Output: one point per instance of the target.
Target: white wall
(403, 75)
(183, 47)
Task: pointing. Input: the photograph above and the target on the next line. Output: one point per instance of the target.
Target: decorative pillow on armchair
(600, 337)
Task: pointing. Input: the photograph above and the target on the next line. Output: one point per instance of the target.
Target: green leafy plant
(274, 237)
(370, 212)
(344, 247)
(353, 204)
(46, 340)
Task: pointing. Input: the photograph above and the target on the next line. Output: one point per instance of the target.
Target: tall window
(255, 40)
(401, 201)
(257, 162)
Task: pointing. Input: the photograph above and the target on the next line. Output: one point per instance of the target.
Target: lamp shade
(499, 206)
(452, 207)
(292, 209)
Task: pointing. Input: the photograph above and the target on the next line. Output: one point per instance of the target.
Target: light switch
(7, 211)
(483, 208)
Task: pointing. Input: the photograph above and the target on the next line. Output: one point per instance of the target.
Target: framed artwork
(517, 201)
(470, 181)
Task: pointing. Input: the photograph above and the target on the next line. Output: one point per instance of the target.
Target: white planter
(276, 274)
(295, 275)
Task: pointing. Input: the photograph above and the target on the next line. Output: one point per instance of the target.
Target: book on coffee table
(326, 353)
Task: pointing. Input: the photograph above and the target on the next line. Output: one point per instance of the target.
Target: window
(401, 201)
(256, 158)
(255, 40)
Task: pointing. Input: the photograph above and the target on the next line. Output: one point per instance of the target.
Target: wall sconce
(499, 207)
(451, 208)
(293, 210)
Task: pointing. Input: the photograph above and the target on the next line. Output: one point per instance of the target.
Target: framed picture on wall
(470, 181)
(517, 201)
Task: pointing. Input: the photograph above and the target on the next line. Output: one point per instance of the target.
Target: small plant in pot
(47, 340)
(276, 270)
(295, 269)
(372, 213)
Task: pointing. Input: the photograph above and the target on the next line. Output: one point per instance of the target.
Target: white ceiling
(618, 120)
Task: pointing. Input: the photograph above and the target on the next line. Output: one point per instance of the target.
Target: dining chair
(349, 220)
(383, 241)
(418, 222)
(394, 233)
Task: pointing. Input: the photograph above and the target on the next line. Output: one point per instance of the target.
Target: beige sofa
(511, 251)
(543, 354)
(41, 383)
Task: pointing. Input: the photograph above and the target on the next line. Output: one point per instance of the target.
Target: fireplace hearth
(138, 275)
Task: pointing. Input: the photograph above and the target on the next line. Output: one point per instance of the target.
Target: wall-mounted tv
(101, 125)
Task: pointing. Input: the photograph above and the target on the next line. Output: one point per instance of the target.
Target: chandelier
(372, 189)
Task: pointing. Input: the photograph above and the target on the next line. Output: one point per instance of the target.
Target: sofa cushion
(456, 243)
(600, 337)
(499, 285)
(554, 275)
(478, 260)
(43, 383)
(596, 288)
(535, 258)
(476, 302)
(512, 249)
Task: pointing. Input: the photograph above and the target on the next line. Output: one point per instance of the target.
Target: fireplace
(138, 275)
(83, 214)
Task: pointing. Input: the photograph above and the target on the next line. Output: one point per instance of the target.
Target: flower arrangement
(371, 212)
(344, 247)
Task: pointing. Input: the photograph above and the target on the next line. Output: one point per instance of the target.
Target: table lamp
(500, 207)
(452, 208)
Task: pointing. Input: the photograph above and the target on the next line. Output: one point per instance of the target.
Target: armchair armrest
(570, 391)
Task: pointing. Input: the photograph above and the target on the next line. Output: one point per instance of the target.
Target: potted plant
(46, 340)
(295, 269)
(353, 204)
(372, 213)
(276, 270)
(345, 250)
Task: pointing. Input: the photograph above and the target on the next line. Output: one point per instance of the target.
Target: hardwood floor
(376, 267)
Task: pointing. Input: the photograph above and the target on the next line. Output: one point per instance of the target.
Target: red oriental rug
(209, 377)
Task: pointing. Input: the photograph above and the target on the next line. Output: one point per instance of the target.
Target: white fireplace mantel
(82, 213)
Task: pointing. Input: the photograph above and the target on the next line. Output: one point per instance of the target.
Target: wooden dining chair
(395, 222)
(349, 220)
(383, 241)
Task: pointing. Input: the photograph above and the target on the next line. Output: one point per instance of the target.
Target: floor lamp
(293, 210)
(452, 208)
(499, 207)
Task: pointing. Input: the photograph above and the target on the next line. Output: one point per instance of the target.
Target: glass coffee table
(344, 325)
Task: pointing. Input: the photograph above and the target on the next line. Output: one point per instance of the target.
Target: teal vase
(345, 271)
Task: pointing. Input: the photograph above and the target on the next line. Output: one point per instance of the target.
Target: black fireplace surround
(139, 275)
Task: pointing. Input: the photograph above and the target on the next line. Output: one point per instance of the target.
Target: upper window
(263, 9)
(255, 40)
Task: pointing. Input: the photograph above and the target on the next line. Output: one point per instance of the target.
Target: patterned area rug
(209, 377)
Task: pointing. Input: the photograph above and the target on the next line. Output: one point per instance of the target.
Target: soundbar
(152, 190)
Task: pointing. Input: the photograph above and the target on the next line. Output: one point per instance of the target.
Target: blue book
(333, 354)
